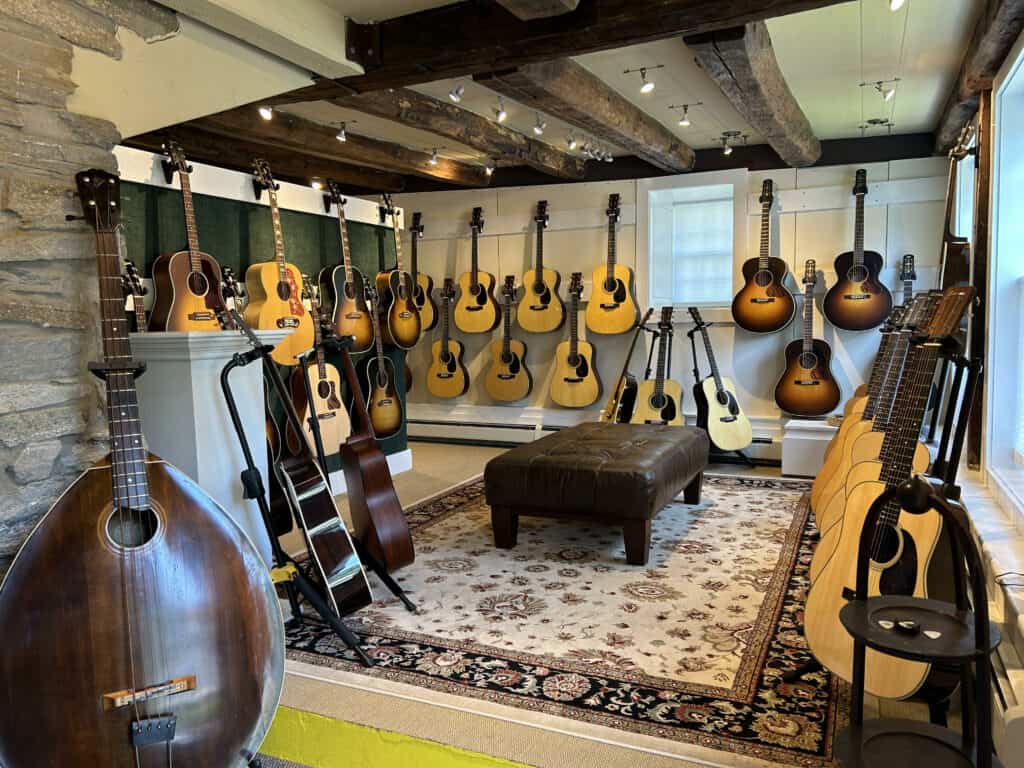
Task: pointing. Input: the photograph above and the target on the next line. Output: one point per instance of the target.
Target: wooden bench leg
(505, 522)
(691, 494)
(637, 535)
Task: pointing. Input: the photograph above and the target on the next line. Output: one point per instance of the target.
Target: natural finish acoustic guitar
(807, 386)
(764, 303)
(612, 307)
(508, 379)
(447, 375)
(396, 291)
(125, 610)
(718, 409)
(424, 291)
(187, 283)
(541, 309)
(858, 301)
(620, 405)
(660, 400)
(477, 310)
(343, 285)
(575, 383)
(383, 403)
(275, 287)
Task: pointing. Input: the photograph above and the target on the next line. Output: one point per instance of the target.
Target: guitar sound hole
(887, 544)
(506, 358)
(722, 398)
(610, 285)
(808, 361)
(574, 361)
(446, 357)
(857, 274)
(284, 291)
(475, 289)
(132, 528)
(658, 402)
(382, 380)
(350, 290)
(323, 388)
(764, 278)
(539, 288)
(198, 284)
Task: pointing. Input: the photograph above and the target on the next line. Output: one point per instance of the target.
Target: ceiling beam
(742, 62)
(538, 9)
(298, 134)
(999, 25)
(288, 165)
(488, 136)
(566, 90)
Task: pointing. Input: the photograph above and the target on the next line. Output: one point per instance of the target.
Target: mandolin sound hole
(857, 274)
(132, 528)
(764, 278)
(808, 361)
(198, 284)
(284, 291)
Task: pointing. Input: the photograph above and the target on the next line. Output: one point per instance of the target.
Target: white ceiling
(379, 10)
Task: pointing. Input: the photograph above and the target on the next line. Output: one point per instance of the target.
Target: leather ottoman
(621, 474)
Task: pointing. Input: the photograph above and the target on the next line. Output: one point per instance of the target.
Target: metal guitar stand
(252, 482)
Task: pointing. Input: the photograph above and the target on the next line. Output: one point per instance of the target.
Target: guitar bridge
(506, 376)
(445, 375)
(126, 698)
(326, 415)
(856, 296)
(807, 382)
(288, 322)
(763, 300)
(572, 380)
(405, 315)
(727, 419)
(538, 307)
(354, 316)
(473, 309)
(610, 307)
(200, 316)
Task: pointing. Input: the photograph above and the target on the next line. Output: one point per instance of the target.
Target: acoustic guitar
(612, 307)
(955, 254)
(325, 384)
(186, 283)
(477, 310)
(903, 545)
(508, 379)
(718, 409)
(424, 290)
(447, 376)
(343, 285)
(541, 309)
(575, 383)
(619, 408)
(275, 287)
(396, 291)
(807, 386)
(383, 403)
(858, 301)
(659, 400)
(114, 610)
(764, 303)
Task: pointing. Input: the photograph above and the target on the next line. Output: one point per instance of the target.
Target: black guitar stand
(252, 482)
(342, 344)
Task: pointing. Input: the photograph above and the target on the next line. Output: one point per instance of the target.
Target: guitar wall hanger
(170, 169)
(258, 187)
(328, 199)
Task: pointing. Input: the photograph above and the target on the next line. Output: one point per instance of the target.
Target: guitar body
(447, 375)
(541, 310)
(350, 315)
(764, 304)
(424, 298)
(477, 310)
(508, 380)
(650, 409)
(808, 390)
(727, 426)
(382, 402)
(612, 307)
(575, 383)
(401, 316)
(834, 454)
(185, 300)
(335, 425)
(274, 305)
(199, 588)
(858, 300)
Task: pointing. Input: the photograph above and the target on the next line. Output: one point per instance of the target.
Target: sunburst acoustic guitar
(508, 379)
(541, 309)
(764, 303)
(423, 293)
(612, 307)
(477, 310)
(343, 286)
(660, 400)
(382, 401)
(575, 383)
(447, 375)
(396, 292)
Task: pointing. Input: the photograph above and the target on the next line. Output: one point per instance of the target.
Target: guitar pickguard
(294, 296)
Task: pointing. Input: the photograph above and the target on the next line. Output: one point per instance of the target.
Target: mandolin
(424, 290)
(383, 403)
(718, 410)
(541, 310)
(134, 290)
(343, 285)
(659, 400)
(325, 383)
(447, 376)
(141, 625)
(508, 379)
(858, 301)
(902, 544)
(575, 383)
(275, 287)
(186, 284)
(477, 310)
(233, 292)
(612, 307)
(807, 387)
(396, 292)
(764, 304)
(619, 408)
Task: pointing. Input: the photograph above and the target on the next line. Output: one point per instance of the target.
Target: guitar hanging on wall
(764, 303)
(395, 291)
(343, 284)
(447, 375)
(612, 307)
(659, 400)
(383, 404)
(718, 409)
(477, 310)
(424, 291)
(575, 383)
(858, 301)
(508, 379)
(541, 309)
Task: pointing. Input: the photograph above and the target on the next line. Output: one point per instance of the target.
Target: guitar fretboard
(414, 260)
(474, 278)
(506, 334)
(398, 241)
(574, 323)
(540, 250)
(446, 304)
(275, 218)
(710, 353)
(191, 231)
(346, 259)
(611, 249)
(763, 262)
(659, 381)
(858, 232)
(808, 342)
(879, 371)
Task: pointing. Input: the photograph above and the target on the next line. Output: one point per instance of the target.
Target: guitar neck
(414, 254)
(191, 231)
(574, 329)
(880, 370)
(506, 334)
(346, 259)
(763, 260)
(808, 342)
(659, 381)
(611, 248)
(321, 364)
(540, 251)
(908, 292)
(446, 311)
(398, 242)
(711, 358)
(474, 278)
(275, 218)
(858, 232)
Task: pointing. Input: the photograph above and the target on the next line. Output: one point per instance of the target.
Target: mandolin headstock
(477, 222)
(542, 214)
(576, 284)
(448, 290)
(810, 272)
(665, 323)
(766, 193)
(334, 193)
(509, 289)
(100, 193)
(613, 207)
(860, 182)
(907, 271)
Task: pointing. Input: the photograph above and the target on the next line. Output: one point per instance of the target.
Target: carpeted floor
(689, 648)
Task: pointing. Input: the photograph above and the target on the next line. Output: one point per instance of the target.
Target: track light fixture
(539, 126)
(433, 156)
(646, 86)
(342, 135)
(886, 88)
(570, 141)
(684, 119)
(266, 112)
(895, 5)
(500, 114)
(728, 138)
(456, 93)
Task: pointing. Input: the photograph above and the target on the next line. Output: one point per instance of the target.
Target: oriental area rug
(689, 648)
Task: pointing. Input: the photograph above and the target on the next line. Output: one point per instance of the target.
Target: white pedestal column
(803, 446)
(185, 417)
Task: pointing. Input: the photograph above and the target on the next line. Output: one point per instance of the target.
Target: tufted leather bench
(622, 474)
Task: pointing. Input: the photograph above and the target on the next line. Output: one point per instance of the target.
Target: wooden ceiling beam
(292, 132)
(999, 25)
(742, 63)
(287, 164)
(538, 9)
(566, 90)
(504, 145)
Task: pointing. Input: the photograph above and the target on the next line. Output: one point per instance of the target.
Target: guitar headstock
(576, 284)
(509, 289)
(387, 204)
(907, 271)
(613, 206)
(263, 176)
(133, 280)
(810, 272)
(766, 193)
(695, 314)
(370, 290)
(542, 214)
(334, 192)
(100, 193)
(477, 222)
(311, 292)
(175, 157)
(448, 290)
(417, 225)
(860, 182)
(231, 288)
(665, 323)
(954, 303)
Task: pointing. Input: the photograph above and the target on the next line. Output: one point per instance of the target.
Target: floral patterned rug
(690, 647)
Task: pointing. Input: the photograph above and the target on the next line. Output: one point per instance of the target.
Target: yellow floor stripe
(321, 742)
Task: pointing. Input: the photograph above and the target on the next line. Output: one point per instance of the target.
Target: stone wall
(51, 424)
